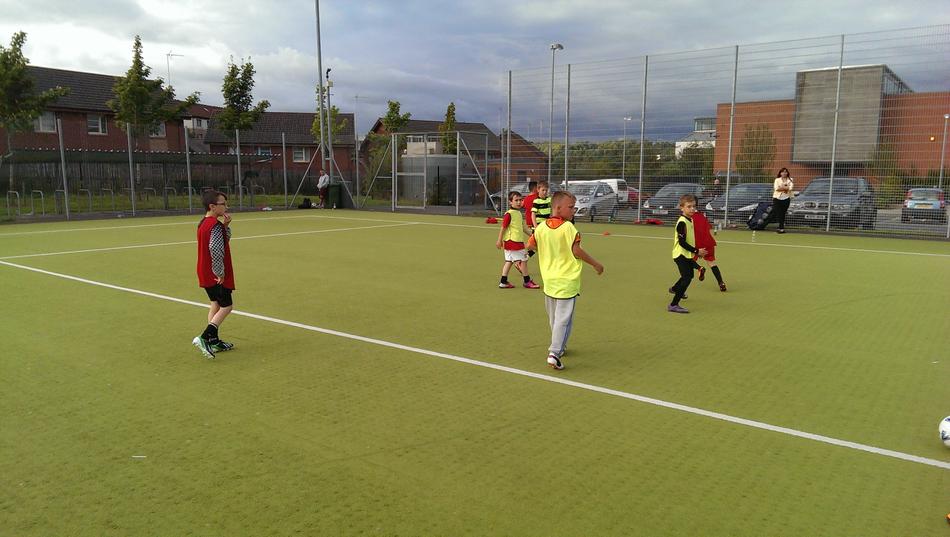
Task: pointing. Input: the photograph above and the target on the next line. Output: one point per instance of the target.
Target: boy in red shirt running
(528, 203)
(704, 239)
(215, 274)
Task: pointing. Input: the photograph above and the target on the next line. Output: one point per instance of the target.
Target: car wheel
(869, 220)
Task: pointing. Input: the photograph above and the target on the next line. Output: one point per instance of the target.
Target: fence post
(62, 160)
(643, 119)
(283, 155)
(458, 171)
(732, 123)
(187, 164)
(834, 135)
(567, 125)
(128, 135)
(237, 140)
(507, 182)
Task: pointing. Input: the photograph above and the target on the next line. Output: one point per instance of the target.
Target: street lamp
(623, 165)
(943, 149)
(168, 65)
(554, 48)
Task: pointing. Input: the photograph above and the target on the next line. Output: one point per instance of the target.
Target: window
(157, 131)
(46, 122)
(200, 123)
(264, 151)
(95, 124)
(301, 154)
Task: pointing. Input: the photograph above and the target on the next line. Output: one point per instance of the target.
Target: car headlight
(583, 200)
(797, 205)
(841, 206)
(748, 207)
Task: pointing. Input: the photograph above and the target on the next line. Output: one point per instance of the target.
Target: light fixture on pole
(623, 165)
(168, 65)
(554, 48)
(943, 149)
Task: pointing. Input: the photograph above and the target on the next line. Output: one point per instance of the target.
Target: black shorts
(220, 294)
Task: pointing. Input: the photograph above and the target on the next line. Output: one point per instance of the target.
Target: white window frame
(38, 123)
(304, 152)
(101, 128)
(264, 151)
(157, 131)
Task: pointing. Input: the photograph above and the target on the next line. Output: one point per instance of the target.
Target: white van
(619, 187)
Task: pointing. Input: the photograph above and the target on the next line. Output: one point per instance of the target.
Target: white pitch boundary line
(154, 245)
(443, 224)
(548, 378)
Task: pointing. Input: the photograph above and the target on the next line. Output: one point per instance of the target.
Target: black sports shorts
(220, 294)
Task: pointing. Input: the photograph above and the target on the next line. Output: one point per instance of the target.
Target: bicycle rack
(148, 189)
(174, 192)
(17, 202)
(42, 201)
(103, 191)
(89, 193)
(226, 189)
(56, 194)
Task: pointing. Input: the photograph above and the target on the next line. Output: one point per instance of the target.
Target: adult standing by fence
(323, 184)
(781, 197)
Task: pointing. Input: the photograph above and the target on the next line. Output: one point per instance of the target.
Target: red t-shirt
(528, 204)
(206, 276)
(702, 231)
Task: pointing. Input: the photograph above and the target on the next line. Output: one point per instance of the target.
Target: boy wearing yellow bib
(684, 249)
(559, 255)
(512, 237)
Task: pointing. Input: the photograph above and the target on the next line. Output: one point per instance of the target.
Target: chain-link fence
(859, 121)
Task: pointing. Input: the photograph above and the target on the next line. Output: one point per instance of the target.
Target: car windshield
(842, 186)
(582, 189)
(924, 194)
(676, 190)
(751, 190)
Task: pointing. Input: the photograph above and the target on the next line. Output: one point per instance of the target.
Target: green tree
(393, 121)
(756, 153)
(447, 129)
(140, 104)
(19, 103)
(239, 113)
(884, 166)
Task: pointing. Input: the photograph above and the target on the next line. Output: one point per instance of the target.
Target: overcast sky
(421, 53)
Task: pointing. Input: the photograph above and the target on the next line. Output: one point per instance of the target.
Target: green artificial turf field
(361, 397)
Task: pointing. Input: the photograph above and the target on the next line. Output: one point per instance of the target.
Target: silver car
(594, 199)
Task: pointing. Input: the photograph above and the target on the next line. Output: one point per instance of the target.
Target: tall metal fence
(859, 120)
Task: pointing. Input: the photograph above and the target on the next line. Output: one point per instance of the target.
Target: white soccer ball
(945, 431)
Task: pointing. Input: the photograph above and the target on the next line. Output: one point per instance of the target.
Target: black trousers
(779, 210)
(685, 267)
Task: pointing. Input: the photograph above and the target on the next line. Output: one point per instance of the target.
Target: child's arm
(581, 254)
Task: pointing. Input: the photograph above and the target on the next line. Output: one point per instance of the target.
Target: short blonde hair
(686, 198)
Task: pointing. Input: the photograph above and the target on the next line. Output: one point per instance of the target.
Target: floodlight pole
(567, 125)
(643, 123)
(834, 135)
(168, 66)
(554, 48)
(323, 145)
(623, 158)
(187, 163)
(62, 167)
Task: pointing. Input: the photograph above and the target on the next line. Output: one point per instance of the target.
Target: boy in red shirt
(215, 274)
(704, 239)
(528, 203)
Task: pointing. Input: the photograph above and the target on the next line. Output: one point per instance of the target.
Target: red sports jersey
(206, 276)
(702, 231)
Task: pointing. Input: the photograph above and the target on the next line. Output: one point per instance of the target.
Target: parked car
(665, 203)
(852, 203)
(924, 204)
(500, 198)
(594, 199)
(621, 189)
(742, 200)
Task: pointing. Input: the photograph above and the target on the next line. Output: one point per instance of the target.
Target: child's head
(562, 205)
(542, 189)
(532, 185)
(214, 202)
(515, 199)
(688, 204)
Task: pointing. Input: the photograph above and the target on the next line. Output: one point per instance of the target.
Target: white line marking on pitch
(154, 245)
(548, 378)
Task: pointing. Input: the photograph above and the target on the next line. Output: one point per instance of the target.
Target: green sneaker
(204, 346)
(221, 346)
